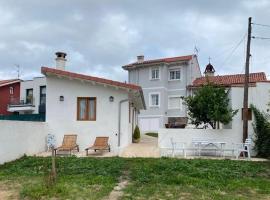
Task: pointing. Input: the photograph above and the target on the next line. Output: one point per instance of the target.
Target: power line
(261, 38)
(264, 25)
(234, 49)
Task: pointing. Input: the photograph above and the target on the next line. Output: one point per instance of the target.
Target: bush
(136, 134)
(262, 133)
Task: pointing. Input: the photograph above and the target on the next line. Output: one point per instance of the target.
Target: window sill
(172, 80)
(154, 106)
(155, 79)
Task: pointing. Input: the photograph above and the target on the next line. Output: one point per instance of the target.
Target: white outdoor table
(204, 143)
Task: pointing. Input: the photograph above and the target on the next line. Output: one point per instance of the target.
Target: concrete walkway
(147, 147)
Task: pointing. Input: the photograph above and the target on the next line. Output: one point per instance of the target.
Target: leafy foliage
(137, 133)
(262, 132)
(209, 105)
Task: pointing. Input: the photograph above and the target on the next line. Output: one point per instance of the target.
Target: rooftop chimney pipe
(140, 58)
(60, 60)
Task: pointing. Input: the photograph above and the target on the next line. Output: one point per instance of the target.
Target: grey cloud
(102, 35)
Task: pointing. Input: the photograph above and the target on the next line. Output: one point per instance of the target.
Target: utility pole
(245, 103)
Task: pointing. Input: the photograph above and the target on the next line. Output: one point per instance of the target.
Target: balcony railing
(29, 101)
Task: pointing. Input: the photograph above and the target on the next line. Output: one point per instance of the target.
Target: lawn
(164, 178)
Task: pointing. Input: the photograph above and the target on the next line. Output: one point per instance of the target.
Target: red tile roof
(229, 80)
(165, 60)
(8, 82)
(46, 70)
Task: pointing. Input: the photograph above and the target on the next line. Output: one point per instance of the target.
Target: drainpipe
(119, 120)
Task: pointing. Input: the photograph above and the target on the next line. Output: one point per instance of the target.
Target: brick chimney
(60, 60)
(140, 58)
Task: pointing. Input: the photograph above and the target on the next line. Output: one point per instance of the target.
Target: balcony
(16, 105)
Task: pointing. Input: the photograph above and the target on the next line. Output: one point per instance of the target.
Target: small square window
(86, 109)
(175, 74)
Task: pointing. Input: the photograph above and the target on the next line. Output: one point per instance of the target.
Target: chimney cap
(60, 54)
(140, 58)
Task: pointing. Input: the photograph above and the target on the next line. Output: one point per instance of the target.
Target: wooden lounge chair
(68, 144)
(101, 143)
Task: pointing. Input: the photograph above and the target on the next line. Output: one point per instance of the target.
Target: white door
(149, 124)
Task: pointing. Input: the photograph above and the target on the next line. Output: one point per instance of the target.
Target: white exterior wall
(19, 138)
(35, 84)
(259, 96)
(62, 116)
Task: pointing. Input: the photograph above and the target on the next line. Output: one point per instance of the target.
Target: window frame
(175, 96)
(150, 73)
(42, 95)
(174, 70)
(150, 99)
(11, 90)
(87, 118)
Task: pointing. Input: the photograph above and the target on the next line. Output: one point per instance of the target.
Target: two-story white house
(164, 81)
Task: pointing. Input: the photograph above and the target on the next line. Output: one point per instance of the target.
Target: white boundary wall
(21, 137)
(229, 136)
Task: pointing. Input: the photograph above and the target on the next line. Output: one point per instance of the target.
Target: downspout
(119, 120)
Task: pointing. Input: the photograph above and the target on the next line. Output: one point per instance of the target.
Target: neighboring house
(90, 106)
(258, 92)
(32, 99)
(9, 92)
(164, 81)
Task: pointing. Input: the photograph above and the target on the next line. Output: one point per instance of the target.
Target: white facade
(61, 116)
(259, 96)
(163, 84)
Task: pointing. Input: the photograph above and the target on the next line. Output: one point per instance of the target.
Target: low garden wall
(20, 137)
(229, 136)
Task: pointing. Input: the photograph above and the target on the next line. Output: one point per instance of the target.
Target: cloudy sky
(100, 36)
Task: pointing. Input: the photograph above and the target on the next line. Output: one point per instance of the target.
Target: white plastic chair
(178, 146)
(243, 148)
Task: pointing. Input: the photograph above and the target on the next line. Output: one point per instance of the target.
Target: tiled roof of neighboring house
(8, 82)
(229, 80)
(165, 60)
(46, 70)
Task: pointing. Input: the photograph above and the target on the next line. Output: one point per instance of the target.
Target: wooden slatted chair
(69, 143)
(101, 143)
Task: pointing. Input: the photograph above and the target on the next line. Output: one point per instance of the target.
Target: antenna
(196, 50)
(18, 70)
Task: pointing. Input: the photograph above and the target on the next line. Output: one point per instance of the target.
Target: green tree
(209, 105)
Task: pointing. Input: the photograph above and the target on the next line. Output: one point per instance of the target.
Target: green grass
(149, 178)
(152, 134)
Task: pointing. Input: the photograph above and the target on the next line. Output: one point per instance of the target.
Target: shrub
(136, 134)
(262, 133)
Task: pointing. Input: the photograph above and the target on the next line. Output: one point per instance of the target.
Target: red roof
(46, 70)
(229, 80)
(165, 60)
(8, 82)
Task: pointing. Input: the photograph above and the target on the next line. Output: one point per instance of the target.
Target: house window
(154, 100)
(86, 109)
(42, 97)
(11, 90)
(174, 74)
(29, 96)
(174, 102)
(154, 73)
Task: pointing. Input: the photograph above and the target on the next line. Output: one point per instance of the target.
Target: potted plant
(136, 135)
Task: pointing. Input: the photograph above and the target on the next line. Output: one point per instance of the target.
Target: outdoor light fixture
(111, 98)
(61, 98)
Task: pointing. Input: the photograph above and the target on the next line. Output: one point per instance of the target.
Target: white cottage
(90, 106)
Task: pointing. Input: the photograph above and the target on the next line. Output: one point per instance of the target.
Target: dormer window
(154, 73)
(174, 74)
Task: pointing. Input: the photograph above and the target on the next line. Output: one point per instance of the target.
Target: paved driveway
(148, 147)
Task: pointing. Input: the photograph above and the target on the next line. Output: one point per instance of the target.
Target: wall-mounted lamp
(111, 98)
(61, 98)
